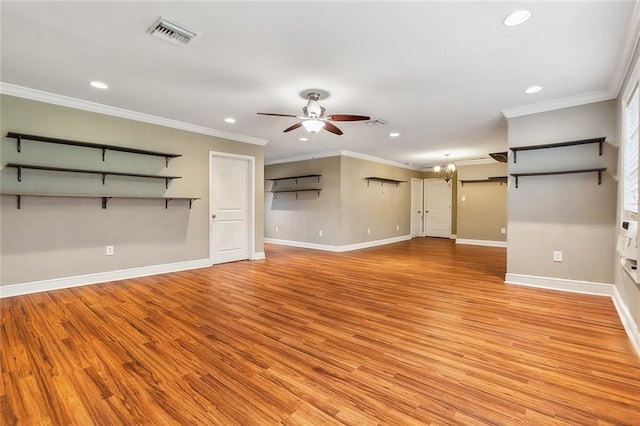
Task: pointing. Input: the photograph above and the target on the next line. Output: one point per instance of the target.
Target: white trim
(100, 277)
(66, 101)
(337, 249)
(487, 243)
(584, 287)
(628, 49)
(258, 255)
(453, 237)
(561, 284)
(627, 320)
(552, 105)
(251, 220)
(341, 153)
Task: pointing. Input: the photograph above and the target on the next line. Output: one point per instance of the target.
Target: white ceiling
(439, 73)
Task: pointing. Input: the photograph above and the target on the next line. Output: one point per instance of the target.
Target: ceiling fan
(313, 118)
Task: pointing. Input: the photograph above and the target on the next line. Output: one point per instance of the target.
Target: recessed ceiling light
(99, 85)
(517, 18)
(303, 139)
(533, 89)
(230, 120)
(394, 134)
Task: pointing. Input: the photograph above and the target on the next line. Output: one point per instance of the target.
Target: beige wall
(482, 206)
(58, 237)
(380, 207)
(301, 218)
(569, 213)
(346, 207)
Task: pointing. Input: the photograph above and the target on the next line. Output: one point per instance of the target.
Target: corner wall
(569, 213)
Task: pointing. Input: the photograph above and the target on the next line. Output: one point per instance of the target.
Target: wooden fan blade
(347, 117)
(276, 115)
(331, 128)
(290, 128)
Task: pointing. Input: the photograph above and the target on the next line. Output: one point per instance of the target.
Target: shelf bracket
(515, 154)
(166, 161)
(166, 203)
(296, 192)
(104, 177)
(191, 200)
(600, 176)
(166, 183)
(18, 201)
(19, 145)
(516, 179)
(19, 173)
(105, 200)
(600, 149)
(104, 153)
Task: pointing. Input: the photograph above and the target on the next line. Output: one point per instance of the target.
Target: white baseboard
(584, 287)
(258, 256)
(627, 320)
(101, 277)
(487, 243)
(338, 249)
(574, 286)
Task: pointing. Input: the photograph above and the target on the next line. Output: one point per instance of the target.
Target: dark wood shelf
(383, 180)
(104, 173)
(275, 193)
(562, 172)
(276, 180)
(103, 147)
(501, 179)
(105, 198)
(599, 141)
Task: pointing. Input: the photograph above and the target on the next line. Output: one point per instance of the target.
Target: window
(630, 153)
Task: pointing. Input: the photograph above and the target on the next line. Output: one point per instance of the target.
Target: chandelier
(445, 171)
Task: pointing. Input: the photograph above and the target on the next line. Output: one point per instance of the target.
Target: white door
(229, 208)
(437, 208)
(416, 207)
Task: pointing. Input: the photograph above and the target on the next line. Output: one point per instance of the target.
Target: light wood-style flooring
(418, 332)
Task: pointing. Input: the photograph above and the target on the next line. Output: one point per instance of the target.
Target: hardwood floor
(419, 332)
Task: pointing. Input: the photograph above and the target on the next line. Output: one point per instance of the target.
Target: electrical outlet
(277, 228)
(557, 256)
(463, 198)
(368, 230)
(503, 230)
(397, 227)
(109, 250)
(320, 233)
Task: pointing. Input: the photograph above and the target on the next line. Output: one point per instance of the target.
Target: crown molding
(628, 49)
(342, 153)
(66, 101)
(552, 105)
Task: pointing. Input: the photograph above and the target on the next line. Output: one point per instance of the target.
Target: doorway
(437, 208)
(417, 204)
(231, 207)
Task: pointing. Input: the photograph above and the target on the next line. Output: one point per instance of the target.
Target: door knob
(213, 216)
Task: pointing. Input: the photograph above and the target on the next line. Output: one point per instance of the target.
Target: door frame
(251, 202)
(421, 233)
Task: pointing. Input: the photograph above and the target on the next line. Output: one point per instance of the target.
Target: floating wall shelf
(501, 179)
(105, 198)
(317, 190)
(276, 180)
(383, 180)
(103, 147)
(104, 173)
(562, 172)
(599, 141)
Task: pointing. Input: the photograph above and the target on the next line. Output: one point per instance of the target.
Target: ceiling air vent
(171, 32)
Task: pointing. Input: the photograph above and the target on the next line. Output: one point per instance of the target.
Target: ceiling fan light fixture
(313, 126)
